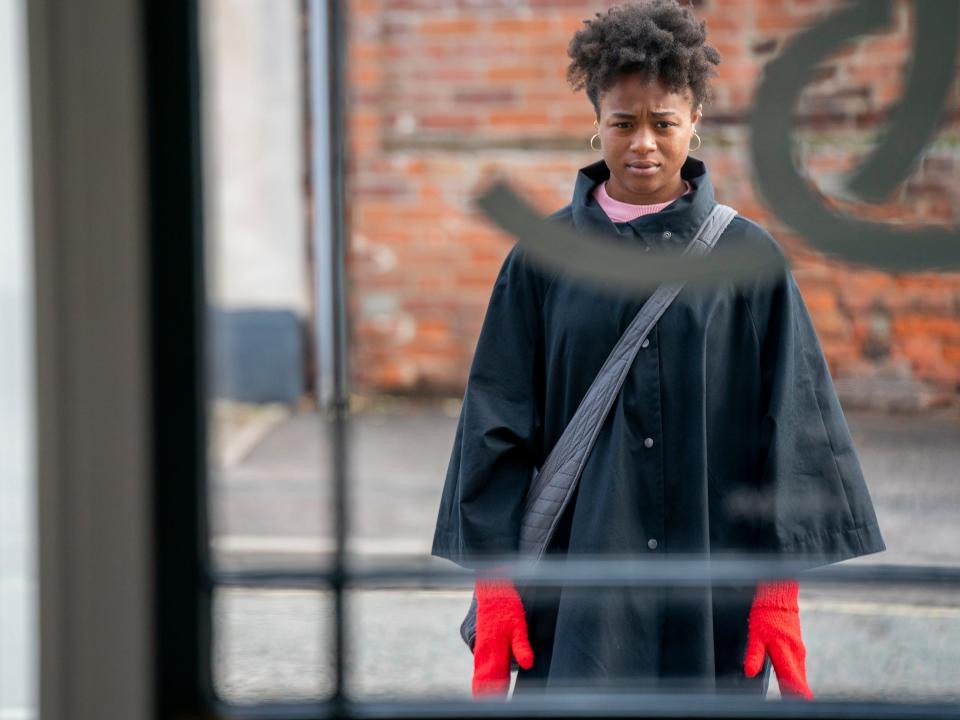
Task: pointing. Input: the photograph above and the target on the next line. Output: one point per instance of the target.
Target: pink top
(620, 212)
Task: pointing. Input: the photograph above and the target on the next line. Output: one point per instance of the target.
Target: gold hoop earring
(699, 142)
(592, 146)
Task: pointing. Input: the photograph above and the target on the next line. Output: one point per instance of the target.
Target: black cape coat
(727, 437)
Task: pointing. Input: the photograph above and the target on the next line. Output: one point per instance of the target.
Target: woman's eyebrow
(621, 114)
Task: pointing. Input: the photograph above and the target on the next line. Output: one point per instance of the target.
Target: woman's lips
(643, 170)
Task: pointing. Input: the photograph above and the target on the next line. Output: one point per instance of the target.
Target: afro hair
(659, 38)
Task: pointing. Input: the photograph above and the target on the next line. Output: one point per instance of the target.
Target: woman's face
(645, 133)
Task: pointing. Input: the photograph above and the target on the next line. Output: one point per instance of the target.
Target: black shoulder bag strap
(550, 491)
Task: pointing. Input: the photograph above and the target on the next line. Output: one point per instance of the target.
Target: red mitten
(501, 629)
(774, 630)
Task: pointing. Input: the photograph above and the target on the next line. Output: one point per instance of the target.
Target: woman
(727, 437)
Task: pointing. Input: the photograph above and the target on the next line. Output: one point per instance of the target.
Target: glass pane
(907, 634)
(18, 541)
(268, 459)
(271, 645)
(402, 646)
(268, 491)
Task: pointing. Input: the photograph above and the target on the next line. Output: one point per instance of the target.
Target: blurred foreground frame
(596, 260)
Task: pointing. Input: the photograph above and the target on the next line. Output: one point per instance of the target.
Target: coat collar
(681, 218)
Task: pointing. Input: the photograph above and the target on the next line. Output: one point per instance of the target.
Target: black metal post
(182, 592)
(339, 410)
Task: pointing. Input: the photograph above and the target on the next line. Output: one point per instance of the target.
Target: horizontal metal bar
(606, 572)
(270, 579)
(624, 705)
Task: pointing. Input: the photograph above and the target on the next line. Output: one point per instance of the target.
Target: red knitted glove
(774, 629)
(501, 629)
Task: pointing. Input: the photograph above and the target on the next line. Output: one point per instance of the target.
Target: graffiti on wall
(912, 125)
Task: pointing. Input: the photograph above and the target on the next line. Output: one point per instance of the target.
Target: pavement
(270, 508)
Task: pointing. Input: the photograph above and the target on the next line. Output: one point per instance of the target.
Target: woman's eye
(663, 125)
(622, 125)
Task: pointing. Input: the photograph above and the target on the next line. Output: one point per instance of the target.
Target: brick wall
(446, 93)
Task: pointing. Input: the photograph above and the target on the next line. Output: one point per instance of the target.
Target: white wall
(254, 154)
(18, 630)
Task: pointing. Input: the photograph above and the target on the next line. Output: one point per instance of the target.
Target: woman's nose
(643, 140)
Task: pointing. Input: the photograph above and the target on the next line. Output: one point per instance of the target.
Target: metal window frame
(185, 579)
(182, 590)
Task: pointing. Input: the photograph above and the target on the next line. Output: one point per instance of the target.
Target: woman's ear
(696, 115)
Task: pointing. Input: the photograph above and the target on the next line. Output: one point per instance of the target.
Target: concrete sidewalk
(271, 508)
(274, 500)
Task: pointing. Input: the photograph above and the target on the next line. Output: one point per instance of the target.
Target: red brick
(924, 326)
(819, 299)
(928, 361)
(448, 26)
(519, 118)
(515, 72)
(447, 121)
(524, 26)
(951, 354)
(832, 324)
